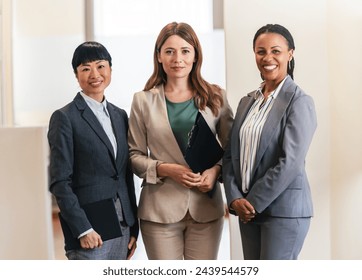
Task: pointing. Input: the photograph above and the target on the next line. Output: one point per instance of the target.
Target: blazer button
(116, 177)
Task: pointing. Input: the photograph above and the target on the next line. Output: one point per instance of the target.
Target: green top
(181, 117)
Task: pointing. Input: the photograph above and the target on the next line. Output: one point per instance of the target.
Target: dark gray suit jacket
(279, 185)
(83, 167)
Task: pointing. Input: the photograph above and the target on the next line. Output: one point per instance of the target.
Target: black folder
(104, 220)
(203, 149)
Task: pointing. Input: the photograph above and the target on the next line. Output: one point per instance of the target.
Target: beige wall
(25, 202)
(328, 42)
(345, 64)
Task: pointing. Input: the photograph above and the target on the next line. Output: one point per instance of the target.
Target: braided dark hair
(281, 30)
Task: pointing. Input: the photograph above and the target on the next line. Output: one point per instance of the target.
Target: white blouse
(250, 133)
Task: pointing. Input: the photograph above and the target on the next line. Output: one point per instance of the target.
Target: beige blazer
(151, 142)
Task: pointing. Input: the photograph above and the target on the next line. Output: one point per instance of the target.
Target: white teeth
(95, 83)
(270, 67)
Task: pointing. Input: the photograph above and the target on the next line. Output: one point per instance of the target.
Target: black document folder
(203, 150)
(104, 220)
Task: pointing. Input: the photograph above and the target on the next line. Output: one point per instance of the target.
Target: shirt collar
(94, 104)
(275, 93)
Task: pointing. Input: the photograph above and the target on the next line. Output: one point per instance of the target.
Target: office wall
(345, 83)
(328, 41)
(25, 203)
(45, 34)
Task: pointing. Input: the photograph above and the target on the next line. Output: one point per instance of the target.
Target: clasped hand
(243, 209)
(204, 182)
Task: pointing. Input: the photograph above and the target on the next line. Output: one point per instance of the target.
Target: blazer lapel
(93, 122)
(120, 130)
(243, 109)
(241, 113)
(277, 112)
(173, 145)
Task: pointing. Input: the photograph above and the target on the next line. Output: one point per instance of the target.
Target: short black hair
(88, 52)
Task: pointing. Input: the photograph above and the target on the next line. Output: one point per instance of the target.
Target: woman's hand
(208, 178)
(132, 245)
(91, 240)
(179, 173)
(243, 209)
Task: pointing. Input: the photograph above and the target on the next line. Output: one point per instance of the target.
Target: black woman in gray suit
(264, 164)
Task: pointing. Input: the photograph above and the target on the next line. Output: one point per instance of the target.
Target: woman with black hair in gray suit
(264, 173)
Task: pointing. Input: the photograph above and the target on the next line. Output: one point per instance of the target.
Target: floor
(140, 254)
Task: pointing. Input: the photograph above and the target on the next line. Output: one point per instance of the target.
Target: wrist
(219, 176)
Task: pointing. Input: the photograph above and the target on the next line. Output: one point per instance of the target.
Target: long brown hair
(206, 94)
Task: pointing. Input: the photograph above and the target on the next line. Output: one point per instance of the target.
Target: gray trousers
(273, 238)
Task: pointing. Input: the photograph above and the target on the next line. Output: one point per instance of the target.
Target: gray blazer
(151, 142)
(83, 167)
(279, 185)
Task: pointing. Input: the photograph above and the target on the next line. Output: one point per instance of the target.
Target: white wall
(328, 40)
(45, 34)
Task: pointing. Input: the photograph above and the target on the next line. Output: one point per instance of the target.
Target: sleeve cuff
(151, 176)
(86, 232)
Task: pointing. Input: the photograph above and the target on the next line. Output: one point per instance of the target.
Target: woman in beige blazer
(179, 219)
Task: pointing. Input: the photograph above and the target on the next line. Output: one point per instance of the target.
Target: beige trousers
(186, 239)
